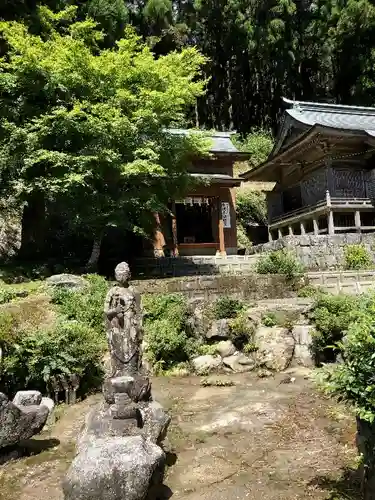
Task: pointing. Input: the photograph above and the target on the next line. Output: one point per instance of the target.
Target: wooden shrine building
(323, 166)
(204, 222)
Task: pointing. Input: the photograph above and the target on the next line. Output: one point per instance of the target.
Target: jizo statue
(122, 309)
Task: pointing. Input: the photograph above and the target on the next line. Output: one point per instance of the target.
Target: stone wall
(258, 286)
(250, 286)
(321, 252)
(164, 267)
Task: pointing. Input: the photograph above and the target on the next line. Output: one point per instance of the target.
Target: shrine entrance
(194, 219)
(202, 224)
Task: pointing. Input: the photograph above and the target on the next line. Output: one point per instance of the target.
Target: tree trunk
(92, 263)
(33, 227)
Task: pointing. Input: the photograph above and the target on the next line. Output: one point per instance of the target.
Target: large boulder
(205, 364)
(275, 347)
(225, 348)
(239, 363)
(20, 422)
(115, 468)
(220, 329)
(303, 340)
(27, 398)
(197, 322)
(67, 281)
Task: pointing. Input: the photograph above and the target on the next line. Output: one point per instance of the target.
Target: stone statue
(124, 325)
(128, 418)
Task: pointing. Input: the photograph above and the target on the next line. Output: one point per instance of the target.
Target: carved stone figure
(124, 325)
(128, 416)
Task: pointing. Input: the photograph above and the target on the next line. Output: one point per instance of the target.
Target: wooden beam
(357, 219)
(221, 231)
(174, 230)
(159, 240)
(316, 227)
(331, 223)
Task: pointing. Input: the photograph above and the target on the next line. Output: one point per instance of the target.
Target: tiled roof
(218, 178)
(221, 141)
(356, 118)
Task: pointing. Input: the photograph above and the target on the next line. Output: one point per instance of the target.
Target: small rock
(225, 348)
(156, 422)
(114, 468)
(206, 364)
(49, 403)
(219, 329)
(18, 423)
(238, 362)
(288, 380)
(27, 398)
(263, 373)
(69, 281)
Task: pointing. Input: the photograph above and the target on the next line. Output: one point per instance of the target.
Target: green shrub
(243, 241)
(249, 348)
(204, 349)
(241, 331)
(357, 257)
(166, 330)
(310, 291)
(251, 207)
(279, 262)
(86, 305)
(227, 308)
(207, 382)
(354, 379)
(284, 319)
(269, 319)
(331, 316)
(69, 347)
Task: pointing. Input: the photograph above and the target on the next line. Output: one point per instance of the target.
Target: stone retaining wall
(258, 286)
(250, 286)
(350, 282)
(318, 252)
(164, 267)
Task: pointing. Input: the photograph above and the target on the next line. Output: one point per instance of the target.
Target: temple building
(204, 222)
(323, 166)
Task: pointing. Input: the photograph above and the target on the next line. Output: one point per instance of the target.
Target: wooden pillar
(174, 230)
(316, 227)
(222, 251)
(357, 219)
(159, 241)
(290, 229)
(270, 238)
(303, 230)
(331, 223)
(279, 233)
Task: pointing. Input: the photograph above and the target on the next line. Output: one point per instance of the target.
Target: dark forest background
(258, 50)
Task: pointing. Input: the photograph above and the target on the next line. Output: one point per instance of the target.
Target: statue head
(122, 273)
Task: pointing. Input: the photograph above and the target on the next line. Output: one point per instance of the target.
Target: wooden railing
(334, 202)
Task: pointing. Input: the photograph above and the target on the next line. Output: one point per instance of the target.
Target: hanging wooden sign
(225, 214)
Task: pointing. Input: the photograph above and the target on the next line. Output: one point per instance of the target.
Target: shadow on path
(27, 448)
(348, 487)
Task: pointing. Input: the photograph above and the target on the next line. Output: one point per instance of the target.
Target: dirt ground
(258, 439)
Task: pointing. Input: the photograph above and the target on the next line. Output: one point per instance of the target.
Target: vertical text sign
(225, 214)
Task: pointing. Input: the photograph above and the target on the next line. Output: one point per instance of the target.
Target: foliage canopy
(84, 128)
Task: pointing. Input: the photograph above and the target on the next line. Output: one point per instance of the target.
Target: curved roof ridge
(335, 108)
